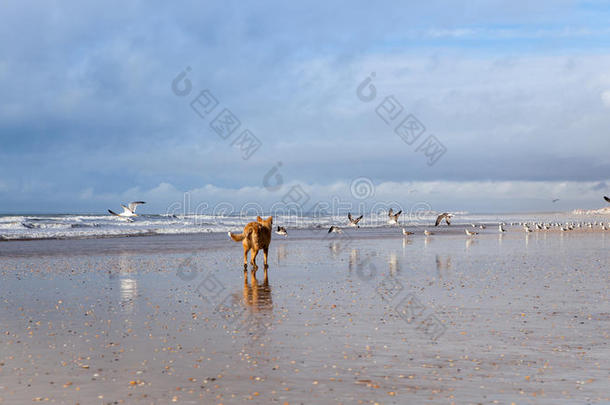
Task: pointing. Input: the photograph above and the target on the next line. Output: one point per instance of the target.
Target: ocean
(79, 226)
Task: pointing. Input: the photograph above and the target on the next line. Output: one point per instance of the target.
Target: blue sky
(518, 94)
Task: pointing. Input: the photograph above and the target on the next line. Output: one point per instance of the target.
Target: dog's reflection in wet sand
(257, 294)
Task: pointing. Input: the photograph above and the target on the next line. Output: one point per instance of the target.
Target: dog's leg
(265, 251)
(253, 258)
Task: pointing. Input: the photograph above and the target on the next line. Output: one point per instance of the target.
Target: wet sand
(370, 317)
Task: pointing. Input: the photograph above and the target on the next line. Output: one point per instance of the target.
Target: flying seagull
(335, 229)
(555, 200)
(607, 198)
(393, 217)
(352, 221)
(446, 216)
(281, 231)
(129, 211)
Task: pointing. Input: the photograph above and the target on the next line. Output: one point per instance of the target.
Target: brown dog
(256, 236)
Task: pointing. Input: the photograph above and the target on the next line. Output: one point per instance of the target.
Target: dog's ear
(270, 220)
(259, 219)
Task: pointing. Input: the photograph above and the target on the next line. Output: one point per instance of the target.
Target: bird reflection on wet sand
(394, 264)
(443, 268)
(282, 253)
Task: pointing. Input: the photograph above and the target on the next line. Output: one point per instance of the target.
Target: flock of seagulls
(129, 212)
(564, 227)
(528, 227)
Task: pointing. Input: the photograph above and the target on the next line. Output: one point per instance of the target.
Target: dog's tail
(239, 237)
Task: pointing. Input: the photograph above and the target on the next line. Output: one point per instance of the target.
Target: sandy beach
(367, 317)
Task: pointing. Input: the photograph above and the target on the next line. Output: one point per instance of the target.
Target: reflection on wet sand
(257, 294)
(394, 264)
(353, 259)
(129, 293)
(128, 285)
(282, 253)
(335, 248)
(443, 267)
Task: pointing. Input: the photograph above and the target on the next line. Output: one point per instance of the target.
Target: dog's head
(268, 223)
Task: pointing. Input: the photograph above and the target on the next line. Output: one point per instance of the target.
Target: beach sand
(367, 317)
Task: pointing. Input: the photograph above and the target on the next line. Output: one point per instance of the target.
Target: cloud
(606, 98)
(87, 107)
(463, 196)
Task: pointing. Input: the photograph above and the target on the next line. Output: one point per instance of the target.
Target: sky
(94, 111)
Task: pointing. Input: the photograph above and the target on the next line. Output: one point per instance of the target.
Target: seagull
(555, 200)
(393, 217)
(527, 229)
(428, 233)
(446, 216)
(335, 229)
(352, 221)
(470, 233)
(129, 211)
(607, 199)
(501, 228)
(406, 233)
(482, 226)
(281, 231)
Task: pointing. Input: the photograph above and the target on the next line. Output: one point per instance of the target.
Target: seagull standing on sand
(129, 211)
(393, 217)
(428, 233)
(352, 221)
(446, 216)
(281, 231)
(501, 228)
(470, 233)
(334, 229)
(406, 233)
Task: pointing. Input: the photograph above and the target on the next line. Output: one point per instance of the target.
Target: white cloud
(475, 196)
(606, 98)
